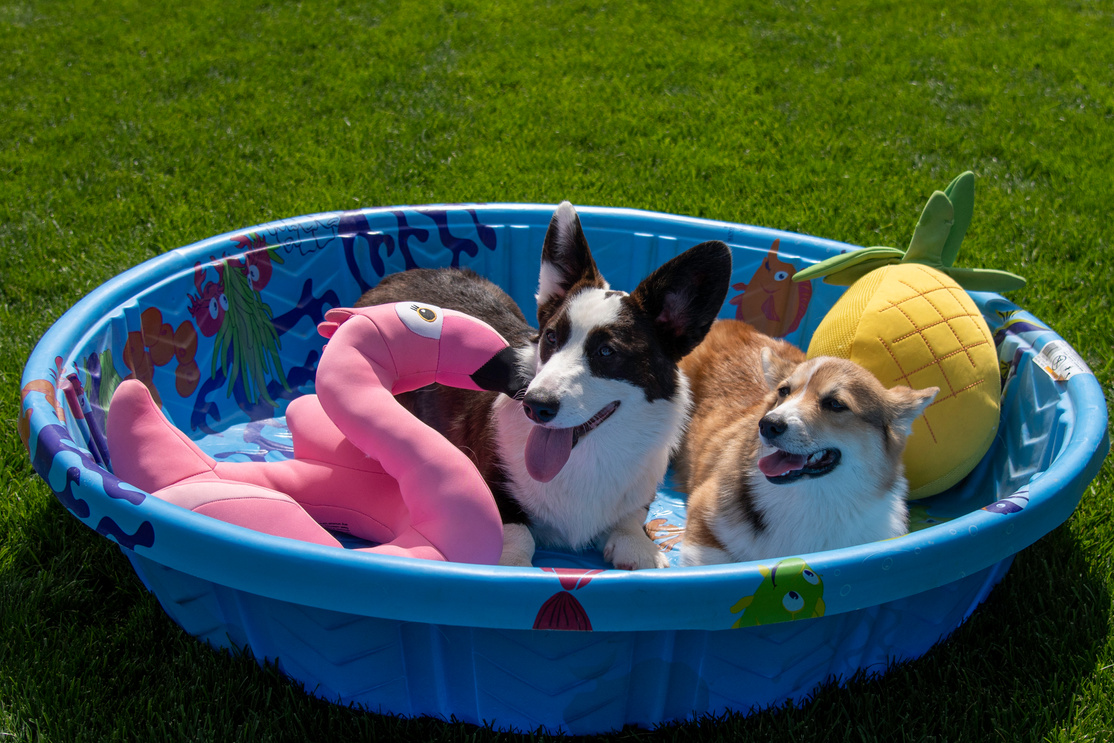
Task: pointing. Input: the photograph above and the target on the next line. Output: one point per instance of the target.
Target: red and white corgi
(576, 458)
(787, 456)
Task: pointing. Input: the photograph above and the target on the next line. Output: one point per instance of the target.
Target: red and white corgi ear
(684, 295)
(775, 368)
(566, 262)
(908, 404)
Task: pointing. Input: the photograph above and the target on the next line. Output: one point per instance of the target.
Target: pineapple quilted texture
(912, 325)
(907, 317)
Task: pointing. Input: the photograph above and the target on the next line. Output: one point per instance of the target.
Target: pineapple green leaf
(961, 192)
(985, 279)
(848, 276)
(872, 257)
(932, 231)
(935, 243)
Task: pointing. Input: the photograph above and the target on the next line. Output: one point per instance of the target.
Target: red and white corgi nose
(771, 426)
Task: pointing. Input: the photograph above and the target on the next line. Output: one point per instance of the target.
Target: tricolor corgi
(787, 456)
(576, 458)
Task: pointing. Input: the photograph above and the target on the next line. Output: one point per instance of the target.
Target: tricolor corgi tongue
(780, 462)
(547, 450)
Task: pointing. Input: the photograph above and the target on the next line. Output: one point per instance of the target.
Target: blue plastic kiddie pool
(225, 331)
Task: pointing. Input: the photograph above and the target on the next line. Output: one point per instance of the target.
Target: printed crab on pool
(225, 332)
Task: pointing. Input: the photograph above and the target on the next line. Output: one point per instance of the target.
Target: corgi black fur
(575, 461)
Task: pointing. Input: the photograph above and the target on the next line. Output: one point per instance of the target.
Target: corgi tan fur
(786, 455)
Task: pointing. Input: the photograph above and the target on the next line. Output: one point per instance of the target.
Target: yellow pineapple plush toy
(907, 317)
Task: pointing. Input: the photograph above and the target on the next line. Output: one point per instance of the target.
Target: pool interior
(269, 439)
(1036, 422)
(232, 417)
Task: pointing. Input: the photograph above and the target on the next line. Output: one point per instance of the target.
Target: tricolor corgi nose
(772, 426)
(541, 409)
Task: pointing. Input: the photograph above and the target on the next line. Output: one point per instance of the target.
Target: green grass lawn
(130, 128)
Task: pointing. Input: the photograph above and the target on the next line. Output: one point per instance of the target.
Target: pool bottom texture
(572, 682)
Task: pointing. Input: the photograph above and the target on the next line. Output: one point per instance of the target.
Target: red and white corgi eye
(831, 403)
(783, 391)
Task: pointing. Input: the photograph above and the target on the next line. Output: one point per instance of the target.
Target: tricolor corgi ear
(908, 404)
(566, 262)
(775, 368)
(684, 296)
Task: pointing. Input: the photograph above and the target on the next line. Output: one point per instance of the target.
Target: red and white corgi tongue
(547, 450)
(780, 462)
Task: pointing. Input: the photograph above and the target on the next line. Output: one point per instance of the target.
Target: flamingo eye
(214, 308)
(223, 302)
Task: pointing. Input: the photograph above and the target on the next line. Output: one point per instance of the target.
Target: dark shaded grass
(130, 129)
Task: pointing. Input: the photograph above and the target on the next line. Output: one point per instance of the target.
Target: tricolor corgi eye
(830, 403)
(793, 602)
(605, 350)
(551, 337)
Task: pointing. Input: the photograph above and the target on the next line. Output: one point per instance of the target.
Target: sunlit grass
(130, 128)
